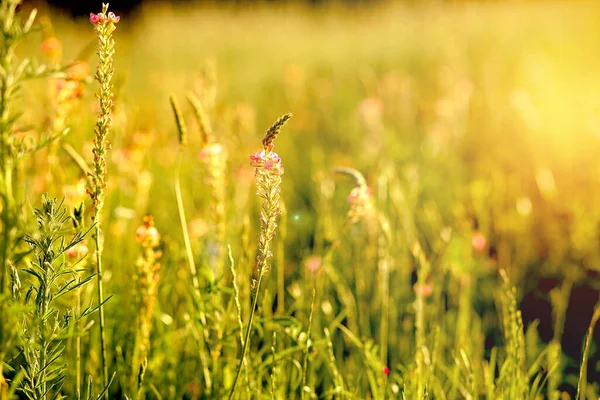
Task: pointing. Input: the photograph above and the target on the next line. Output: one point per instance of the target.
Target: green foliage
(46, 327)
(403, 281)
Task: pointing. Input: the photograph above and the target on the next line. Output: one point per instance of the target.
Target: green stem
(6, 240)
(247, 335)
(43, 310)
(307, 348)
(78, 348)
(193, 270)
(100, 293)
(183, 221)
(7, 163)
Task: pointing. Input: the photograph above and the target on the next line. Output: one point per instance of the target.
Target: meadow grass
(440, 162)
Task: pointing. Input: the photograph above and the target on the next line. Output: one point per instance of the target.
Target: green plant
(14, 145)
(104, 25)
(47, 326)
(268, 180)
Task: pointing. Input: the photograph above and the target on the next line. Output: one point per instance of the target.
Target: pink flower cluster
(268, 161)
(426, 289)
(313, 263)
(77, 251)
(478, 241)
(100, 18)
(147, 234)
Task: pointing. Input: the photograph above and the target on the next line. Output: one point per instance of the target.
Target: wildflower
(113, 18)
(52, 48)
(268, 181)
(267, 161)
(426, 289)
(386, 370)
(147, 235)
(478, 241)
(146, 279)
(77, 251)
(102, 18)
(313, 263)
(97, 18)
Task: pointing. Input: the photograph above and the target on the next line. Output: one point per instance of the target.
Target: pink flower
(97, 18)
(147, 234)
(113, 18)
(77, 251)
(478, 241)
(426, 290)
(386, 370)
(257, 159)
(313, 263)
(268, 161)
(100, 18)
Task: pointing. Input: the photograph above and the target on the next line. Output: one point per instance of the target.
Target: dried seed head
(360, 198)
(359, 179)
(202, 118)
(181, 127)
(273, 131)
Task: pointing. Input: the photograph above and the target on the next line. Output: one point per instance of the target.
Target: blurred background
(485, 114)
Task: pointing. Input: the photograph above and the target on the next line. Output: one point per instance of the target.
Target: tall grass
(429, 182)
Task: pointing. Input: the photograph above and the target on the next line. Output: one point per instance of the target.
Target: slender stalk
(238, 308)
(246, 337)
(273, 370)
(100, 294)
(423, 272)
(307, 348)
(268, 179)
(104, 25)
(193, 270)
(582, 382)
(43, 349)
(182, 132)
(184, 229)
(78, 349)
